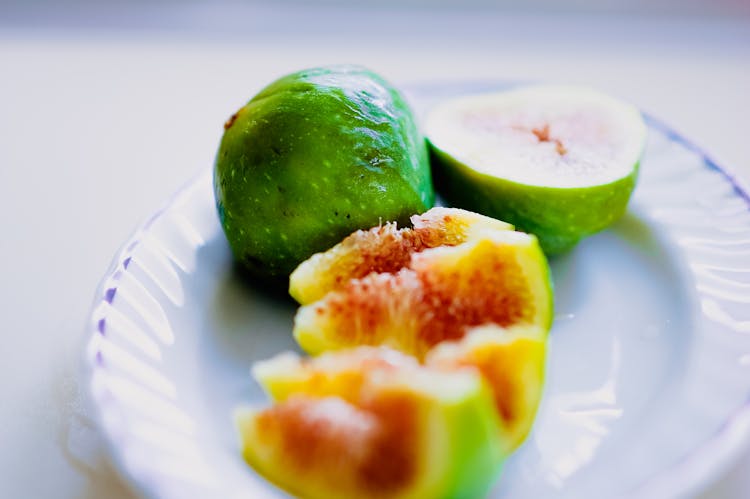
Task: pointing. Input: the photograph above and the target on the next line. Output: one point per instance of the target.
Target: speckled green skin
(313, 157)
(559, 217)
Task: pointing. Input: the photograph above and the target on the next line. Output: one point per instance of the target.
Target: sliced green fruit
(313, 157)
(385, 248)
(500, 277)
(556, 161)
(371, 423)
(511, 361)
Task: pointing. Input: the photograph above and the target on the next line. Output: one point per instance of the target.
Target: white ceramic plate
(648, 381)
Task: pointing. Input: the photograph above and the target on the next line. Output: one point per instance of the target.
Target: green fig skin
(559, 217)
(310, 159)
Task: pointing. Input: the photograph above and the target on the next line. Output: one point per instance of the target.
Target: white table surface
(99, 123)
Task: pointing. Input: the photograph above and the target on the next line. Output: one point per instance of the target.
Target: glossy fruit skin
(559, 217)
(313, 157)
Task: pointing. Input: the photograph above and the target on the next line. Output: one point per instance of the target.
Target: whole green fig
(313, 157)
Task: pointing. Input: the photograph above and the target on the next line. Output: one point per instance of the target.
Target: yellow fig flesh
(385, 248)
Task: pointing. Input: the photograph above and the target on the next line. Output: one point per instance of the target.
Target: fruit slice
(499, 278)
(512, 362)
(371, 423)
(385, 249)
(559, 162)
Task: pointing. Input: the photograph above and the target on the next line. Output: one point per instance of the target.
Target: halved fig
(499, 277)
(385, 248)
(512, 362)
(557, 161)
(372, 423)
